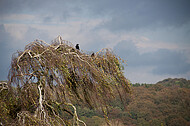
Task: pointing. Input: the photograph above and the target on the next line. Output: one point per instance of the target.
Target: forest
(57, 84)
(165, 103)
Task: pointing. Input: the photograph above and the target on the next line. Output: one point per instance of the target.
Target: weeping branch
(76, 120)
(45, 74)
(3, 86)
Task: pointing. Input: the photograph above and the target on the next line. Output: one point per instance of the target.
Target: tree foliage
(48, 79)
(165, 103)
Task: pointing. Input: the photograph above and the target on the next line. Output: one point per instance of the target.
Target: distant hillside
(181, 82)
(165, 103)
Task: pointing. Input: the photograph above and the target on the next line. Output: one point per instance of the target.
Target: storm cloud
(5, 53)
(163, 61)
(149, 14)
(153, 36)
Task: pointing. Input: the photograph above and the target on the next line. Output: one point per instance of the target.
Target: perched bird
(72, 50)
(92, 55)
(77, 46)
(51, 77)
(50, 81)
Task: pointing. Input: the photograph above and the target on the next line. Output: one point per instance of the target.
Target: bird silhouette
(92, 55)
(77, 46)
(50, 81)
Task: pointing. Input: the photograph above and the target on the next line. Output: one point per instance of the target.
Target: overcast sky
(152, 35)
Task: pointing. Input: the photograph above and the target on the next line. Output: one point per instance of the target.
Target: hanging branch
(3, 86)
(48, 73)
(75, 116)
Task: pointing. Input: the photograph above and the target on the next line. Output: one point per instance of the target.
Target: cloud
(24, 18)
(13, 38)
(128, 16)
(123, 15)
(162, 61)
(170, 62)
(152, 35)
(144, 75)
(47, 11)
(5, 52)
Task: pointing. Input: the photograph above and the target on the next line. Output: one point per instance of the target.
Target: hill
(165, 103)
(180, 82)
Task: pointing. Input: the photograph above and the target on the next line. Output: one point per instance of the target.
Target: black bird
(50, 81)
(92, 55)
(51, 77)
(77, 46)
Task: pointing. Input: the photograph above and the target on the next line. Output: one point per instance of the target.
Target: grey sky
(153, 36)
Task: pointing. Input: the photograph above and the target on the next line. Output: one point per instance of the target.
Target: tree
(49, 79)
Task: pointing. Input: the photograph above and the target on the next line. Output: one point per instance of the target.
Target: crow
(50, 81)
(51, 76)
(92, 55)
(77, 46)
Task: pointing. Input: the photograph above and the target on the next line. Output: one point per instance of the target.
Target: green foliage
(93, 121)
(179, 82)
(9, 105)
(136, 85)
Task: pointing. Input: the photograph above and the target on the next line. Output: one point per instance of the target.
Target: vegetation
(165, 103)
(46, 83)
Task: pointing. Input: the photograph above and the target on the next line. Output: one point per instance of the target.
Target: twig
(54, 113)
(75, 116)
(4, 86)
